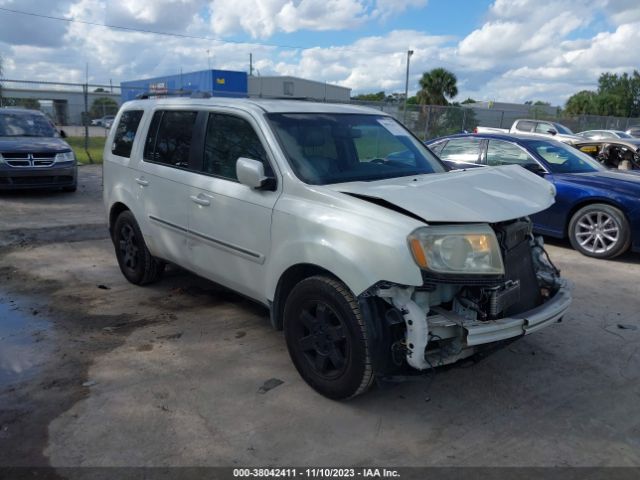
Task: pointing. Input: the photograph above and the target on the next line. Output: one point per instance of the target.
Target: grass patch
(96, 145)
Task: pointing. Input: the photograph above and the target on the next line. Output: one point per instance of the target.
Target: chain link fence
(431, 121)
(85, 112)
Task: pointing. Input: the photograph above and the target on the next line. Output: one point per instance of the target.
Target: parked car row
(535, 128)
(597, 208)
(559, 131)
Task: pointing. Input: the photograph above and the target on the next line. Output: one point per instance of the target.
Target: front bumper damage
(438, 336)
(442, 322)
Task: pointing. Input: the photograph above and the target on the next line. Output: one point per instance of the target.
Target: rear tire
(327, 339)
(135, 261)
(600, 231)
(70, 188)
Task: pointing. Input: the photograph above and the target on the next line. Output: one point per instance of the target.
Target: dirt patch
(70, 337)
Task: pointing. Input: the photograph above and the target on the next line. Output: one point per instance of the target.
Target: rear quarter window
(525, 126)
(126, 133)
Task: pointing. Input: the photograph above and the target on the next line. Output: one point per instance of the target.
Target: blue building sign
(224, 83)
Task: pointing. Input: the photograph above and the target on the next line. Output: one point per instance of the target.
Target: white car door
(230, 223)
(163, 183)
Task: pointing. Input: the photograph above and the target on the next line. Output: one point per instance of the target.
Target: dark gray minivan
(33, 154)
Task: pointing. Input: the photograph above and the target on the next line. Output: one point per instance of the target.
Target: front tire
(135, 261)
(327, 339)
(600, 231)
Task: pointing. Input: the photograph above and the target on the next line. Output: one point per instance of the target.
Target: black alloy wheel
(135, 261)
(327, 339)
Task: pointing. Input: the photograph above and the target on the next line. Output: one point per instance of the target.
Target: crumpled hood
(33, 144)
(490, 194)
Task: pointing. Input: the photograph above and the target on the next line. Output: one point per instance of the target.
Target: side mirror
(552, 131)
(63, 134)
(251, 173)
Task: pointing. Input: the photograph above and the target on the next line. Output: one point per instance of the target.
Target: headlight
(457, 249)
(65, 157)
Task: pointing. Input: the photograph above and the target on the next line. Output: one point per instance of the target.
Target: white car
(604, 134)
(367, 251)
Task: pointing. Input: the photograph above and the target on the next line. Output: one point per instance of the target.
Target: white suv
(372, 257)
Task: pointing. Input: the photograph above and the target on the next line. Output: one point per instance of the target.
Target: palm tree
(436, 85)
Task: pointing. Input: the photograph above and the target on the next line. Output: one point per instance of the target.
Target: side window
(525, 126)
(437, 147)
(126, 133)
(505, 153)
(169, 138)
(228, 138)
(465, 150)
(545, 127)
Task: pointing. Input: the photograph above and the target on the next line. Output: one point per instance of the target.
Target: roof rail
(175, 93)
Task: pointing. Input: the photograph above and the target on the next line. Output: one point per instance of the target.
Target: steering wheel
(379, 161)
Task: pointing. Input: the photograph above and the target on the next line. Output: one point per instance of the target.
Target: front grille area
(518, 264)
(26, 159)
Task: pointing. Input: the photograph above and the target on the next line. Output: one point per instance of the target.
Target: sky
(501, 50)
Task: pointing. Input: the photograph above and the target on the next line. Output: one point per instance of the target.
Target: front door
(230, 223)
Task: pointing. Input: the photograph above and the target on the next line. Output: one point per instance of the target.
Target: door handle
(200, 200)
(141, 181)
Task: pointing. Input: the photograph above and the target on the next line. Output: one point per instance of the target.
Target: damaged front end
(498, 286)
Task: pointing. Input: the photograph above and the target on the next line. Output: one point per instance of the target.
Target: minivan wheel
(136, 262)
(326, 338)
(599, 230)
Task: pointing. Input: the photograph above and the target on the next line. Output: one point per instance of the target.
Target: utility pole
(208, 59)
(406, 87)
(86, 112)
(251, 64)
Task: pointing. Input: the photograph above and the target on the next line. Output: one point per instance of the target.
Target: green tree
(581, 103)
(623, 90)
(103, 106)
(436, 86)
(468, 100)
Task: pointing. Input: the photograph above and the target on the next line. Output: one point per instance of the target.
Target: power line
(141, 30)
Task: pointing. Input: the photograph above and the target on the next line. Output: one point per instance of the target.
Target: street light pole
(406, 86)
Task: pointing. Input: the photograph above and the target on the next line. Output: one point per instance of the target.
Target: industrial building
(215, 82)
(64, 103)
(297, 88)
(64, 107)
(230, 83)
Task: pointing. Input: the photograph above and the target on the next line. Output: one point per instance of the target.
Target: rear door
(230, 223)
(162, 182)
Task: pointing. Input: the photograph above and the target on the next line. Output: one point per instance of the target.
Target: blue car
(597, 208)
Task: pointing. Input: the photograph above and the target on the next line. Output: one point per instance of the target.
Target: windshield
(562, 129)
(561, 158)
(25, 125)
(622, 134)
(324, 148)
